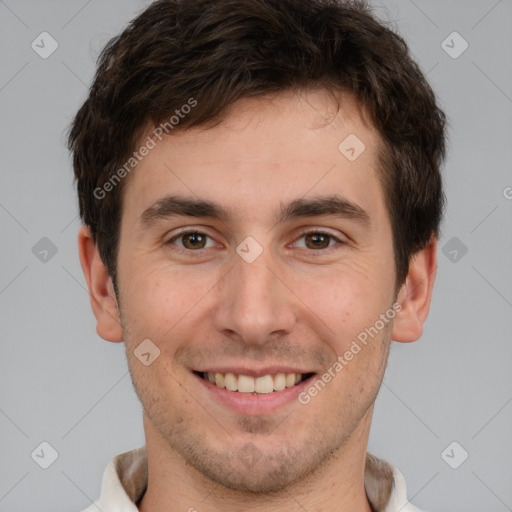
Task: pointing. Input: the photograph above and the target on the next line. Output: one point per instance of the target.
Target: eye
(191, 240)
(318, 239)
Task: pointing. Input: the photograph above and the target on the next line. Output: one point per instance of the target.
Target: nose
(254, 304)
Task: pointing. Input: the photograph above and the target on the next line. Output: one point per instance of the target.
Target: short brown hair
(219, 51)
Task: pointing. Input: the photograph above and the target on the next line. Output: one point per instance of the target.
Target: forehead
(281, 117)
(266, 150)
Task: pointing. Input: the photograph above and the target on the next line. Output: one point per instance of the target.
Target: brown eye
(190, 240)
(317, 240)
(193, 240)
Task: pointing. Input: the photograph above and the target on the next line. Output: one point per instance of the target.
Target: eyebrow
(333, 205)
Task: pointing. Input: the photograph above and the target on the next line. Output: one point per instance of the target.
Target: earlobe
(416, 294)
(101, 290)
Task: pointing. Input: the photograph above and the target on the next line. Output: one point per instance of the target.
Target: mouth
(270, 383)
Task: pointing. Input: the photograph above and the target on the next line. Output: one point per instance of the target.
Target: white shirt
(126, 475)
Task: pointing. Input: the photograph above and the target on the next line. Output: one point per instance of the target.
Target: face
(279, 275)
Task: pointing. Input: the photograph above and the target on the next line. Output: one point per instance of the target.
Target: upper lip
(252, 371)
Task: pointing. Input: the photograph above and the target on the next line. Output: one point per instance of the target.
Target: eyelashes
(197, 240)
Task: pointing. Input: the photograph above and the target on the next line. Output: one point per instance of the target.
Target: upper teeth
(248, 384)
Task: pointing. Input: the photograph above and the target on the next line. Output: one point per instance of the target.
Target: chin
(259, 467)
(264, 479)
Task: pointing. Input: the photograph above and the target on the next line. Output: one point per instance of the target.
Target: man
(260, 191)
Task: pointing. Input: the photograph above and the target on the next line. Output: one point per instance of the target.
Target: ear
(101, 289)
(415, 295)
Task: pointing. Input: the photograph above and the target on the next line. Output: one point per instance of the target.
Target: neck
(174, 486)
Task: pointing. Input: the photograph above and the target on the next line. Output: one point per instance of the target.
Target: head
(271, 116)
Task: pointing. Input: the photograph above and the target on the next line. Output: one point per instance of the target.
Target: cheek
(349, 298)
(161, 301)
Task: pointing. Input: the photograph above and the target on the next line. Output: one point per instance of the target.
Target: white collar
(126, 475)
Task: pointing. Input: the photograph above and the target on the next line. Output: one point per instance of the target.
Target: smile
(256, 385)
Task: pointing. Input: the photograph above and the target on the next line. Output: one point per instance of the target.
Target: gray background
(61, 383)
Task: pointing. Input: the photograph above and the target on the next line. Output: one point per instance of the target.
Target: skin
(209, 307)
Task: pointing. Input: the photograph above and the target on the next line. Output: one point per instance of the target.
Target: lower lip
(247, 403)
